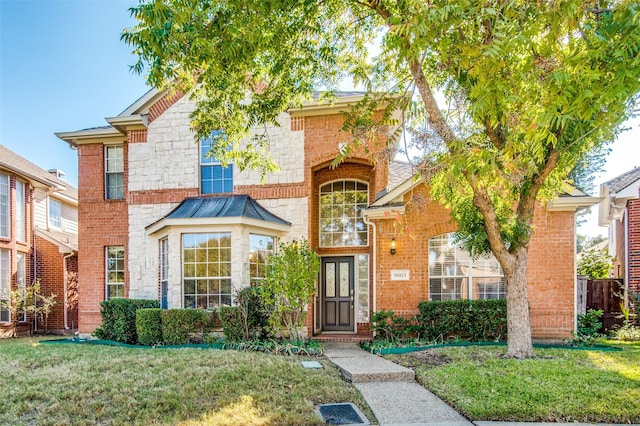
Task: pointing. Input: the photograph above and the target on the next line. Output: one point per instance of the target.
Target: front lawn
(82, 384)
(557, 386)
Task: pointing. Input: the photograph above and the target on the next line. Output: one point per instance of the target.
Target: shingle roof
(619, 183)
(21, 166)
(399, 171)
(224, 206)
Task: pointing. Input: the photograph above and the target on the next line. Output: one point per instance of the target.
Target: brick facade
(633, 212)
(102, 223)
(160, 173)
(550, 278)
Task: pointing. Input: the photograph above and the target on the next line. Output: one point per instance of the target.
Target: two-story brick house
(161, 220)
(38, 239)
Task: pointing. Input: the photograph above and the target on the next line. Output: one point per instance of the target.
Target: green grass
(82, 384)
(557, 385)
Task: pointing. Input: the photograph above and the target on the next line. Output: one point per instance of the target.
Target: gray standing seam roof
(223, 206)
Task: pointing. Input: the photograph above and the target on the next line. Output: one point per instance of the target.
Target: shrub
(232, 323)
(292, 273)
(474, 320)
(390, 327)
(589, 325)
(180, 325)
(119, 319)
(149, 326)
(595, 264)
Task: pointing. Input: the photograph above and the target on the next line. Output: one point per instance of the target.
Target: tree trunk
(518, 319)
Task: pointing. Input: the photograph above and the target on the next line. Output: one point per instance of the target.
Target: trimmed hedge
(149, 326)
(178, 325)
(119, 319)
(232, 323)
(474, 320)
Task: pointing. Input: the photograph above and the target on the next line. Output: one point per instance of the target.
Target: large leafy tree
(511, 94)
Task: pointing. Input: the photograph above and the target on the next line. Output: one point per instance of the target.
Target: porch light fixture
(392, 246)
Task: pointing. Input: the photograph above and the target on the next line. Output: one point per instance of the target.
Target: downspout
(64, 289)
(374, 264)
(626, 258)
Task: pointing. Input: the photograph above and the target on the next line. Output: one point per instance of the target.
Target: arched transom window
(341, 206)
(455, 274)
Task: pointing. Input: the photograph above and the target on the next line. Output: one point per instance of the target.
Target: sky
(64, 68)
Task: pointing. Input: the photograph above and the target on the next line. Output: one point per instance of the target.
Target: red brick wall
(633, 211)
(550, 273)
(101, 223)
(51, 272)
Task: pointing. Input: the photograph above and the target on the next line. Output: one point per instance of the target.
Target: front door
(337, 294)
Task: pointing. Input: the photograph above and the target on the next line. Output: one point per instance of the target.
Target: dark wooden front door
(337, 294)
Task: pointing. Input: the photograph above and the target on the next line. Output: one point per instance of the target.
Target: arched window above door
(341, 221)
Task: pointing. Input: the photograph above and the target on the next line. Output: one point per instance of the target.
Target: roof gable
(621, 182)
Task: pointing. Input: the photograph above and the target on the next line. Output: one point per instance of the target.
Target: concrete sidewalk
(390, 389)
(393, 394)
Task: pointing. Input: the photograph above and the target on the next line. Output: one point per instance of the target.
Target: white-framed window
(363, 287)
(341, 221)
(164, 272)
(114, 272)
(55, 214)
(21, 279)
(21, 214)
(5, 213)
(114, 172)
(5, 282)
(455, 274)
(260, 248)
(206, 270)
(214, 177)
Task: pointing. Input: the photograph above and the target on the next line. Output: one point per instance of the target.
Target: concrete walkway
(390, 389)
(393, 394)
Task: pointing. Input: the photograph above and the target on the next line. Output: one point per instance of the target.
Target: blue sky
(63, 68)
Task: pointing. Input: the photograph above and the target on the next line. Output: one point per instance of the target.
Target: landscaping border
(404, 350)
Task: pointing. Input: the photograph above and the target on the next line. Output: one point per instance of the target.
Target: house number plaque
(399, 275)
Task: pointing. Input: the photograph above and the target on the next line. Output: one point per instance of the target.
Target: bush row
(473, 320)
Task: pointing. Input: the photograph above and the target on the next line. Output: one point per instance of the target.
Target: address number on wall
(400, 275)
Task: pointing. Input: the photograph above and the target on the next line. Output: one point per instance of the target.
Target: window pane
(21, 224)
(203, 266)
(213, 177)
(454, 274)
(341, 221)
(5, 281)
(115, 273)
(4, 206)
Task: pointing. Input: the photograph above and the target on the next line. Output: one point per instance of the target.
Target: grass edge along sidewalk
(558, 385)
(87, 384)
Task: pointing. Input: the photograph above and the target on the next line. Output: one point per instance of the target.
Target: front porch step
(347, 338)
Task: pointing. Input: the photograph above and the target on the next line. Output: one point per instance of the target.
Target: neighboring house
(38, 238)
(620, 211)
(161, 220)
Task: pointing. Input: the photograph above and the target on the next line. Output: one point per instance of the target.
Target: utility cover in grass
(342, 414)
(311, 364)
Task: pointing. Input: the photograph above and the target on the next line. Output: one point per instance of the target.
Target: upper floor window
(341, 221)
(115, 272)
(114, 172)
(55, 214)
(455, 274)
(21, 217)
(4, 207)
(214, 177)
(260, 248)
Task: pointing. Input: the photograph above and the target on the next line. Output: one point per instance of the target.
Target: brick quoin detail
(633, 210)
(137, 136)
(264, 192)
(163, 104)
(175, 195)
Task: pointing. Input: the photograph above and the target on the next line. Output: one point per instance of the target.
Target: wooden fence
(608, 295)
